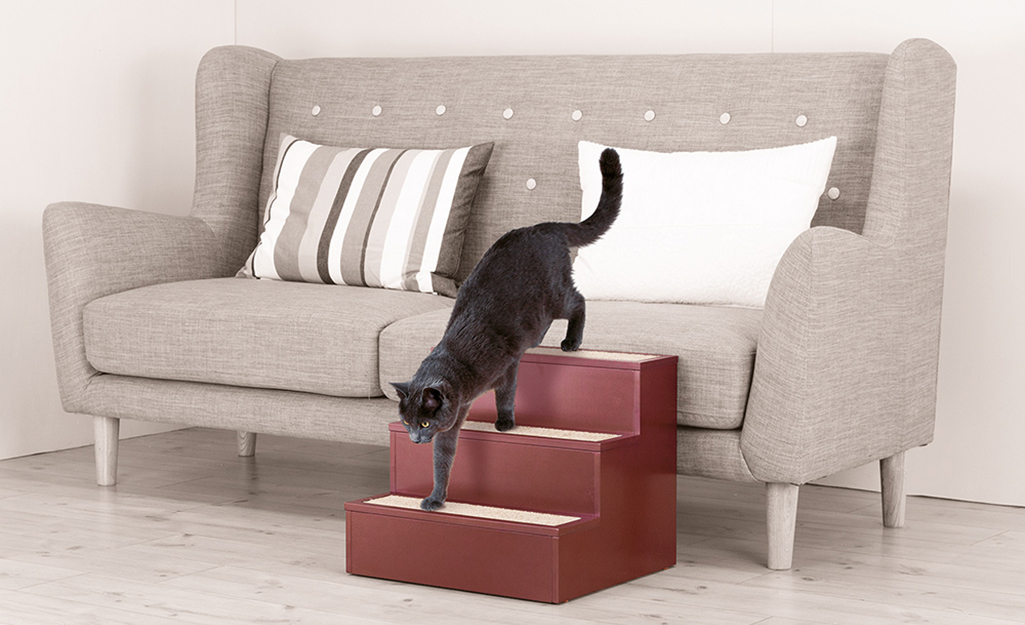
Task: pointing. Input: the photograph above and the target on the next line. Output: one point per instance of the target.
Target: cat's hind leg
(505, 399)
(575, 307)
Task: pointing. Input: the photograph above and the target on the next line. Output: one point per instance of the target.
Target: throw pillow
(700, 227)
(391, 218)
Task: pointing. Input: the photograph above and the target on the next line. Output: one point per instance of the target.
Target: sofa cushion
(391, 218)
(254, 333)
(716, 346)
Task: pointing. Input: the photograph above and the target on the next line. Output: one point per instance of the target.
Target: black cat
(503, 308)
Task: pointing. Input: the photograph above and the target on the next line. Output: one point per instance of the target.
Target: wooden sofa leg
(105, 433)
(246, 444)
(891, 474)
(781, 520)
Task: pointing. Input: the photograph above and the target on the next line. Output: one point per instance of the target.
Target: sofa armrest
(93, 251)
(831, 388)
(847, 359)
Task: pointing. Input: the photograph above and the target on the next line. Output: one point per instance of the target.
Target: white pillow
(699, 227)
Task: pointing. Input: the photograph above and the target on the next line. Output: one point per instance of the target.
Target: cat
(504, 307)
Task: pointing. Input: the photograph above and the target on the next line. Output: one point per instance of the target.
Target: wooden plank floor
(193, 534)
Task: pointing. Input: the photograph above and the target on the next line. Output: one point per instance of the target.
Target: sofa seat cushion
(716, 347)
(253, 333)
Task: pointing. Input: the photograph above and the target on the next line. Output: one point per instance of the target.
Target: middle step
(553, 471)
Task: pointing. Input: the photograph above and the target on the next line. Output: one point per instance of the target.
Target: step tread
(592, 354)
(474, 510)
(526, 430)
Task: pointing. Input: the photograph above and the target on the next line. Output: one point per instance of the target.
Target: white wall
(96, 104)
(101, 110)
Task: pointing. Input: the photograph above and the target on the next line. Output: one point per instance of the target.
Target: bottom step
(497, 551)
(480, 512)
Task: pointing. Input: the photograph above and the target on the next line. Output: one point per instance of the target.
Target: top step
(592, 358)
(584, 390)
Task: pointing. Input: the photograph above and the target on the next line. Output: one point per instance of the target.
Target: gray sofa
(837, 371)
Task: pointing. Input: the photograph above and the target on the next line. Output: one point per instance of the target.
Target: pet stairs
(580, 496)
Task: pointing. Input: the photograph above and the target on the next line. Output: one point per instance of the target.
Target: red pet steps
(580, 496)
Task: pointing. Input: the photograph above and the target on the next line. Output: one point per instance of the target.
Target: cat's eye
(404, 421)
(424, 424)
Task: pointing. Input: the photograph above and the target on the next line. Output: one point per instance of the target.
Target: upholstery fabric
(392, 218)
(232, 90)
(256, 333)
(846, 363)
(711, 453)
(287, 413)
(764, 93)
(850, 339)
(93, 251)
(699, 227)
(715, 345)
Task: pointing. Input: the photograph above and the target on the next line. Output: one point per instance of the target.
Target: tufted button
(316, 110)
(376, 111)
(724, 118)
(577, 115)
(801, 120)
(440, 110)
(650, 115)
(531, 183)
(833, 193)
(507, 113)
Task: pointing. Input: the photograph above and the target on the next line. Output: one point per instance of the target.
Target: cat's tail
(592, 228)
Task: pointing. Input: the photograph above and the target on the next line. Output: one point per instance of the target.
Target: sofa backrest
(699, 102)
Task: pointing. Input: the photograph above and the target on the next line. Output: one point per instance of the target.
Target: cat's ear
(402, 388)
(432, 398)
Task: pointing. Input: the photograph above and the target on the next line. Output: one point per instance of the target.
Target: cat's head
(425, 411)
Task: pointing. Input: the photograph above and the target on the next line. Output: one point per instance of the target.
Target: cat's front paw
(570, 345)
(430, 504)
(504, 425)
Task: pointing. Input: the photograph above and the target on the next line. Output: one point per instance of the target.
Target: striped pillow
(389, 218)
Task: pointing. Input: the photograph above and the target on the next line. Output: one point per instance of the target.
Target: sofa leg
(891, 474)
(246, 444)
(105, 433)
(781, 520)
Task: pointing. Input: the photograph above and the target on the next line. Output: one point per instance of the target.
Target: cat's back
(525, 268)
(524, 250)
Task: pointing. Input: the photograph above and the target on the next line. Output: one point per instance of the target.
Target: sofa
(837, 370)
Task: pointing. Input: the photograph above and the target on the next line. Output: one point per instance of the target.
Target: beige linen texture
(716, 344)
(847, 361)
(846, 348)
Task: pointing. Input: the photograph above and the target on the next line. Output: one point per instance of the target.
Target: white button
(531, 183)
(316, 110)
(577, 115)
(440, 110)
(833, 193)
(376, 110)
(801, 120)
(724, 118)
(507, 113)
(650, 115)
